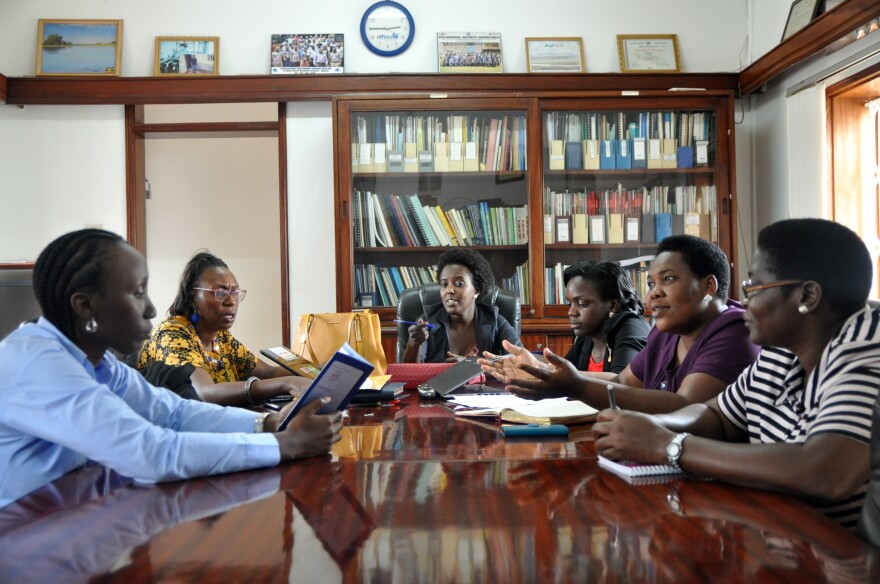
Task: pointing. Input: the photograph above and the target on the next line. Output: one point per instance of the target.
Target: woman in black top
(605, 315)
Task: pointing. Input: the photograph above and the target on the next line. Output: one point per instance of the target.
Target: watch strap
(259, 423)
(674, 457)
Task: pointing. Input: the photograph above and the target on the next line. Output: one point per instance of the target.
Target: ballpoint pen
(612, 402)
(425, 324)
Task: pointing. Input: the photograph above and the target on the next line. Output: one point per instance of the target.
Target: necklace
(597, 356)
(217, 361)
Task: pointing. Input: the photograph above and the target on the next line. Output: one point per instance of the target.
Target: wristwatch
(674, 449)
(259, 422)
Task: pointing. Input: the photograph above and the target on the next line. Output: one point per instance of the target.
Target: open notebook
(517, 410)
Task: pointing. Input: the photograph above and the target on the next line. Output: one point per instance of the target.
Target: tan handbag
(319, 336)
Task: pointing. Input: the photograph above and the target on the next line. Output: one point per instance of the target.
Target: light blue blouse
(57, 411)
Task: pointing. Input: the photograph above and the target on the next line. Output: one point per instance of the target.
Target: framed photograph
(801, 13)
(309, 54)
(183, 55)
(555, 55)
(469, 52)
(79, 47)
(648, 53)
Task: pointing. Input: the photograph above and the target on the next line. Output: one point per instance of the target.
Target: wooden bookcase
(522, 256)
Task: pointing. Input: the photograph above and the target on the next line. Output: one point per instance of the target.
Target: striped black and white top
(773, 401)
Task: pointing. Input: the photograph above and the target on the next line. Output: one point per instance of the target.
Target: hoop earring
(92, 325)
(803, 309)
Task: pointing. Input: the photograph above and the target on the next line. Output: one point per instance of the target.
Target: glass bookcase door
(617, 181)
(423, 181)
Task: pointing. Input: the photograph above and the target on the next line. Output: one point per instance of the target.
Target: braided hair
(184, 303)
(76, 261)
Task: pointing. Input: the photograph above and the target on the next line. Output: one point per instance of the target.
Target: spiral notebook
(632, 470)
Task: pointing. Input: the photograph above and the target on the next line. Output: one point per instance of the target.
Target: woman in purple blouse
(699, 344)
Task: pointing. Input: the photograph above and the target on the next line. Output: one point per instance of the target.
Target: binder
(662, 226)
(557, 155)
(706, 226)
(623, 155)
(649, 231)
(670, 156)
(591, 154)
(701, 156)
(607, 155)
(365, 157)
(580, 231)
(548, 228)
(685, 157)
(441, 157)
(574, 155)
(395, 160)
(655, 153)
(426, 161)
(632, 229)
(355, 163)
(615, 228)
(563, 229)
(456, 162)
(677, 224)
(597, 229)
(692, 224)
(410, 157)
(471, 163)
(639, 153)
(380, 163)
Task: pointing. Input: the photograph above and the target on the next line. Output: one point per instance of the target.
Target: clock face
(387, 28)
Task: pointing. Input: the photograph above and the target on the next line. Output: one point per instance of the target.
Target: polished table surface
(414, 494)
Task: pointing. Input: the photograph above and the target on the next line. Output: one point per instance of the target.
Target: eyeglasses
(749, 289)
(221, 294)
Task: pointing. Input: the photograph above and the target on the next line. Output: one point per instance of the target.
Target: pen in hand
(612, 402)
(425, 324)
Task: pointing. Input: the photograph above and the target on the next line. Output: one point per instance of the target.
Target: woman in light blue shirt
(67, 400)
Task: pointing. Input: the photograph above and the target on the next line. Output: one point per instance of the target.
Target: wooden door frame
(136, 131)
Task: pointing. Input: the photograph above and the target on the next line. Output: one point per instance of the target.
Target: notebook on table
(639, 473)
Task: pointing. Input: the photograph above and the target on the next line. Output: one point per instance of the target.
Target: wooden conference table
(413, 494)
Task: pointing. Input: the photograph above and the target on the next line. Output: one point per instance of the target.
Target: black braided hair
(74, 262)
(611, 281)
(184, 303)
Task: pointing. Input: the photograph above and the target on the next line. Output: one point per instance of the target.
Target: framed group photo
(79, 47)
(298, 54)
(648, 53)
(469, 52)
(182, 55)
(555, 55)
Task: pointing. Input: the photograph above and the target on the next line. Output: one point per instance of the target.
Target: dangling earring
(707, 298)
(92, 325)
(194, 318)
(803, 309)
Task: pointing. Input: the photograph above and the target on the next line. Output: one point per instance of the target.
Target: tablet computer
(454, 378)
(339, 380)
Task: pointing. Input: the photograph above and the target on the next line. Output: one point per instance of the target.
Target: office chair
(413, 301)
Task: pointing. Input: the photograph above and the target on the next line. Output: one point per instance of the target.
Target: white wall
(85, 184)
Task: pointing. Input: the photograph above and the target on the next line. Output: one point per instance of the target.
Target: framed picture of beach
(79, 47)
(183, 55)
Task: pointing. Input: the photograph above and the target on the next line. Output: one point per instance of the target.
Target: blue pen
(425, 324)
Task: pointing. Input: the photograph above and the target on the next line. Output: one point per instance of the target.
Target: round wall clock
(387, 28)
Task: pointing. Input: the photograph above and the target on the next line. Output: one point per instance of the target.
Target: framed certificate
(802, 12)
(648, 53)
(555, 55)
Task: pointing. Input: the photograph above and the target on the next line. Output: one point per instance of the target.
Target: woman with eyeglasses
(799, 419)
(698, 346)
(67, 400)
(197, 331)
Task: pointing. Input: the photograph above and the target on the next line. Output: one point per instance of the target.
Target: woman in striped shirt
(799, 419)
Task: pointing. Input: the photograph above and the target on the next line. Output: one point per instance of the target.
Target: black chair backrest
(413, 301)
